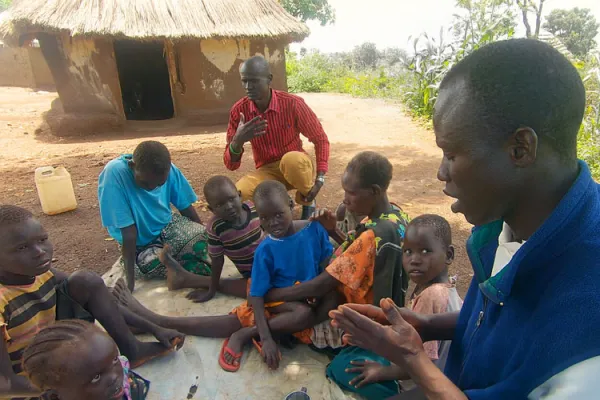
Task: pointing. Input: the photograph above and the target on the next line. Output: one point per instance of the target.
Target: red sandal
(235, 366)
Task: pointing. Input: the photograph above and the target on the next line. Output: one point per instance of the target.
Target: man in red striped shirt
(272, 121)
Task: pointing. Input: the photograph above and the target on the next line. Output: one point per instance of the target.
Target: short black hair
(152, 156)
(372, 169)
(10, 214)
(270, 189)
(441, 227)
(216, 182)
(524, 83)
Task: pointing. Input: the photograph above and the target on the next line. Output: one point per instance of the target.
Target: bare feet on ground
(175, 280)
(123, 295)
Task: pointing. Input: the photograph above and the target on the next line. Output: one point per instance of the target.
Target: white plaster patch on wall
(218, 87)
(80, 53)
(202, 85)
(275, 57)
(243, 49)
(221, 53)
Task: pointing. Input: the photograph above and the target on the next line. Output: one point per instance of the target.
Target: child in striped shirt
(233, 231)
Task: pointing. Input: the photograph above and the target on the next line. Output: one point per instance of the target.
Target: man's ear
(376, 189)
(450, 255)
(270, 78)
(239, 193)
(131, 164)
(291, 204)
(522, 146)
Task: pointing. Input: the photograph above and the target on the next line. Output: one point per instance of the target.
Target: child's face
(424, 256)
(276, 216)
(97, 372)
(357, 199)
(226, 203)
(25, 249)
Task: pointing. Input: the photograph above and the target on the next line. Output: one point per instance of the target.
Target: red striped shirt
(287, 116)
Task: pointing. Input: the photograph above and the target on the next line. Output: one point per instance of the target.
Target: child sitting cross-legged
(33, 296)
(76, 360)
(427, 253)
(234, 231)
(292, 252)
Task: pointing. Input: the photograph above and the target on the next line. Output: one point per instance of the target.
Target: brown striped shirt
(24, 311)
(238, 244)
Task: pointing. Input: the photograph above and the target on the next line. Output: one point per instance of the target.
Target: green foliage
(576, 28)
(305, 10)
(588, 141)
(4, 4)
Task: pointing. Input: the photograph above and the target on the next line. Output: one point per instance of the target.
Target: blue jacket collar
(565, 226)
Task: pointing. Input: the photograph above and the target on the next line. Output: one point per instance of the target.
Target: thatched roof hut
(151, 59)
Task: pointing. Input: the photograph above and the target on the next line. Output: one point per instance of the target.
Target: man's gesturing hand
(246, 131)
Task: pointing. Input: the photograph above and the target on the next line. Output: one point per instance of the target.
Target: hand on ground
(271, 354)
(200, 295)
(167, 337)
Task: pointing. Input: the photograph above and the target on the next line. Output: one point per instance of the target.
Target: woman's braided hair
(41, 359)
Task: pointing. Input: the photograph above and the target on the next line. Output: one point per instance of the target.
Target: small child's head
(151, 164)
(76, 359)
(427, 250)
(25, 250)
(274, 207)
(223, 198)
(365, 182)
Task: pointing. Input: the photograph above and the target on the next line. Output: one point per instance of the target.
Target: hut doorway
(144, 78)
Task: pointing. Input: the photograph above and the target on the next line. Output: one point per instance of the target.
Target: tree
(576, 28)
(4, 4)
(365, 56)
(526, 7)
(305, 10)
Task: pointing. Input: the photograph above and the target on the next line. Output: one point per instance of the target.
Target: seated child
(293, 251)
(234, 231)
(135, 193)
(33, 296)
(77, 360)
(427, 253)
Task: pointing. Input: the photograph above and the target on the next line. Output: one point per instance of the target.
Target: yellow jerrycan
(55, 190)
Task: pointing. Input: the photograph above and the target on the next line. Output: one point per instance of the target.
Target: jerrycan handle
(44, 171)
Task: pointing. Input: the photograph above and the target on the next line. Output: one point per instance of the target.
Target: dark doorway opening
(144, 78)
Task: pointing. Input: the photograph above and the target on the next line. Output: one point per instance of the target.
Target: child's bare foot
(147, 351)
(175, 280)
(124, 297)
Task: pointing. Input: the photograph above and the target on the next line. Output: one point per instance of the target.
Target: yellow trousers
(295, 170)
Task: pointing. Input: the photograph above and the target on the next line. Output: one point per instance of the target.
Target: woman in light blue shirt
(135, 194)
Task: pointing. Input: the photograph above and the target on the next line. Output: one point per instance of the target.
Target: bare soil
(80, 241)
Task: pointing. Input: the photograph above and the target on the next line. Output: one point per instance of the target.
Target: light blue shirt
(123, 203)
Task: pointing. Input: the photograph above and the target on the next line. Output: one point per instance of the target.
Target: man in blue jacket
(507, 119)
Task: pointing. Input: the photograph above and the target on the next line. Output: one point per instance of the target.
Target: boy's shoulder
(11, 294)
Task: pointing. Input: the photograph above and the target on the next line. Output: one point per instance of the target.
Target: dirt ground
(80, 241)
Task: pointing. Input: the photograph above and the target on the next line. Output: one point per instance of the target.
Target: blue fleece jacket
(541, 313)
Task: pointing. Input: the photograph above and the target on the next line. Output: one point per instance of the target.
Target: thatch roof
(149, 19)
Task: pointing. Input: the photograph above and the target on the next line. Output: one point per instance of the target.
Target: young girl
(427, 253)
(74, 359)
